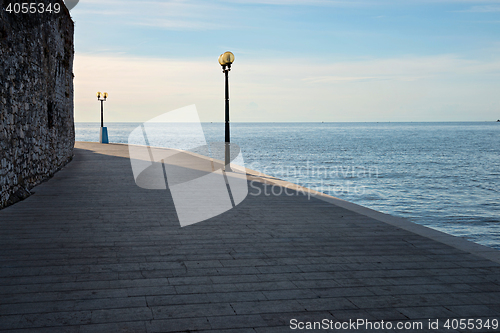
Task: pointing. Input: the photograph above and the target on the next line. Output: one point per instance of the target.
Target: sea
(444, 175)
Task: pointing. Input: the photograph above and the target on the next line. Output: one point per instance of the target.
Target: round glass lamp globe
(98, 94)
(105, 95)
(227, 58)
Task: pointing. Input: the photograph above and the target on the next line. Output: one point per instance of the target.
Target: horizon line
(312, 122)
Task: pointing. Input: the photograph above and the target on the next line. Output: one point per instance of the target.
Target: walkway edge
(454, 241)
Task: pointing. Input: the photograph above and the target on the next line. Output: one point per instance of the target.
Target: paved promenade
(92, 252)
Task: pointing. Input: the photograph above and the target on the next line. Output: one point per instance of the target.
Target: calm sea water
(442, 175)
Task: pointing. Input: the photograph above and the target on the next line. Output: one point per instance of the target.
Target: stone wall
(36, 98)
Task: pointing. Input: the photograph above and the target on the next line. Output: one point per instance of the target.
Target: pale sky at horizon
(296, 60)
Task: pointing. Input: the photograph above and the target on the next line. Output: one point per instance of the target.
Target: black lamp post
(103, 136)
(225, 60)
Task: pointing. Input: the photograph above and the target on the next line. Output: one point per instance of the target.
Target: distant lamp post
(103, 134)
(225, 60)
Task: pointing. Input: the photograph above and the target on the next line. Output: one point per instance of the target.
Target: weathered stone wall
(36, 98)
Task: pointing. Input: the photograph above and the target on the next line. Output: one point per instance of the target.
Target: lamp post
(103, 134)
(225, 60)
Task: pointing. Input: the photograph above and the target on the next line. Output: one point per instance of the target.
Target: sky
(295, 60)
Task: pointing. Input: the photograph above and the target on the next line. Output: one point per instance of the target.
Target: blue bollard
(103, 135)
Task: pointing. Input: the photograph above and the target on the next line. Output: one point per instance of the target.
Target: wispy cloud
(173, 24)
(326, 79)
(357, 3)
(301, 2)
(170, 15)
(403, 69)
(141, 88)
(202, 15)
(483, 9)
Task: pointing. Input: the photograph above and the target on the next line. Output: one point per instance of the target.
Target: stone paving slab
(92, 252)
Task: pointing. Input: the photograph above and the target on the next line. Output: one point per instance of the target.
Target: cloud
(357, 3)
(483, 9)
(173, 24)
(405, 88)
(411, 68)
(170, 15)
(300, 2)
(196, 15)
(325, 79)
